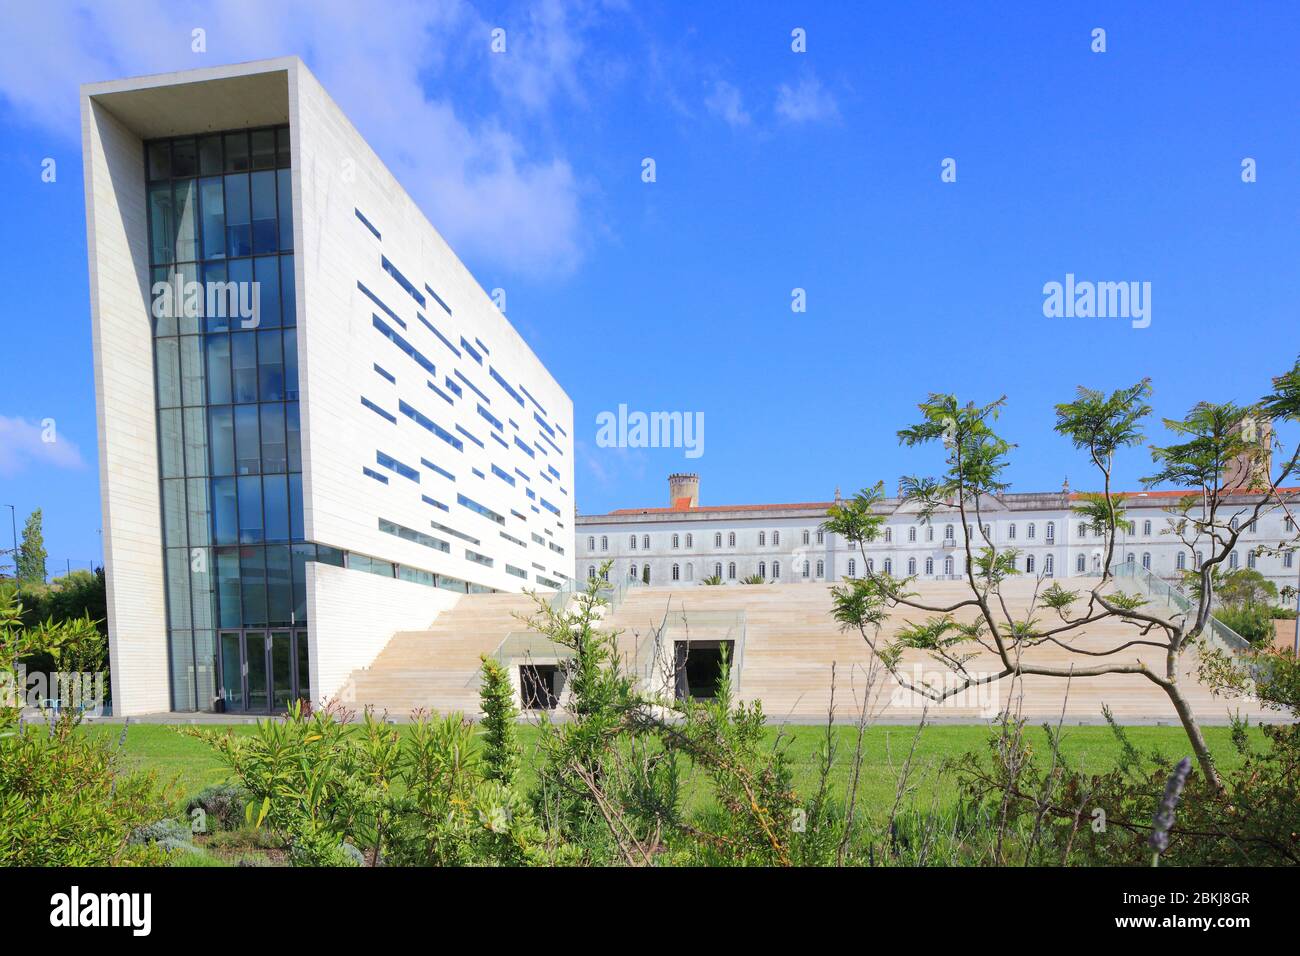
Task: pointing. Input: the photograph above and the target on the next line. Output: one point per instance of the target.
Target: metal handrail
(1160, 589)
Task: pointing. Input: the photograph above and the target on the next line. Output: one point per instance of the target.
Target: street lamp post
(13, 522)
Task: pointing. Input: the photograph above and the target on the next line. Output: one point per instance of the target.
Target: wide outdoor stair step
(791, 642)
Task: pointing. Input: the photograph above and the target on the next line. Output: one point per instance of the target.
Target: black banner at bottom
(334, 906)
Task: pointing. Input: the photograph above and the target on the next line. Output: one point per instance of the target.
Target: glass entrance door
(263, 672)
(255, 668)
(281, 669)
(232, 670)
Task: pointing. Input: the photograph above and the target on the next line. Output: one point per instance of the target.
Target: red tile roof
(823, 505)
(683, 504)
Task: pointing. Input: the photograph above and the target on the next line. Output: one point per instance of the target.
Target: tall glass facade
(226, 367)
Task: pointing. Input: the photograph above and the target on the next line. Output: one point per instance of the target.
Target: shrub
(500, 742)
(65, 799)
(223, 806)
(160, 831)
(1254, 622)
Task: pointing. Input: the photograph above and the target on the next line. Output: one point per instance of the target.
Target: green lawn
(190, 765)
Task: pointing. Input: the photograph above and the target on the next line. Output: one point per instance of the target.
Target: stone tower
(1251, 469)
(684, 490)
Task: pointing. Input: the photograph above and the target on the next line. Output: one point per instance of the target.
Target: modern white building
(686, 542)
(323, 431)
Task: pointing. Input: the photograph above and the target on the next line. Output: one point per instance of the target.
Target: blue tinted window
(266, 271)
(402, 344)
(250, 509)
(248, 449)
(185, 196)
(270, 366)
(221, 425)
(218, 369)
(284, 202)
(292, 436)
(279, 588)
(213, 204)
(275, 492)
(274, 452)
(435, 468)
(401, 280)
(440, 393)
(391, 463)
(505, 385)
(243, 366)
(266, 236)
(225, 515)
(291, 365)
(429, 424)
(379, 302)
(474, 506)
(295, 511)
(437, 298)
(533, 400)
(252, 579)
(288, 297)
(469, 435)
(239, 233)
(368, 224)
(378, 411)
(441, 338)
(472, 387)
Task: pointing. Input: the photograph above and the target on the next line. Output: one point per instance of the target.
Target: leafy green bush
(65, 797)
(1254, 622)
(500, 742)
(66, 800)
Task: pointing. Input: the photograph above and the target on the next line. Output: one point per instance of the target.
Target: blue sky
(775, 170)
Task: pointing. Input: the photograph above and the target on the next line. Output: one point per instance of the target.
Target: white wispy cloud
(25, 444)
(808, 102)
(726, 102)
(471, 168)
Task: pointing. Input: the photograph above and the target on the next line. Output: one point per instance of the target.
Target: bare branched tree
(1215, 444)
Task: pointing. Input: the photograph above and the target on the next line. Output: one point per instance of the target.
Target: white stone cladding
(335, 175)
(124, 399)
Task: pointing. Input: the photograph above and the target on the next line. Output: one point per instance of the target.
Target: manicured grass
(189, 765)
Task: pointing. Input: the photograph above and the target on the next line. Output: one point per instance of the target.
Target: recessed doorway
(699, 667)
(539, 686)
(263, 672)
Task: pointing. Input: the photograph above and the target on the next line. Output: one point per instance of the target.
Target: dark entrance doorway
(263, 671)
(699, 666)
(539, 686)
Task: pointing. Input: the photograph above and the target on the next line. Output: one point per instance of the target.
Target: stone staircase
(790, 643)
(437, 669)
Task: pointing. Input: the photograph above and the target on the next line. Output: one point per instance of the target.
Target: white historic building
(315, 428)
(685, 543)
